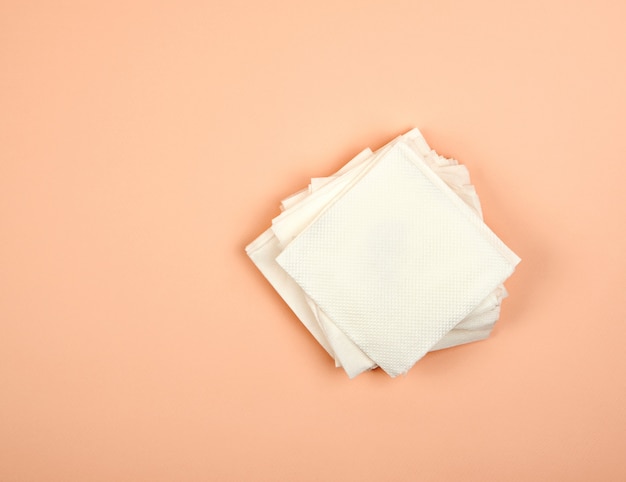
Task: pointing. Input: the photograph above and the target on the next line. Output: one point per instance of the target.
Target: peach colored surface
(144, 144)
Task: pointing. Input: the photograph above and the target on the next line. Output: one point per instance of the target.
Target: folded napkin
(388, 258)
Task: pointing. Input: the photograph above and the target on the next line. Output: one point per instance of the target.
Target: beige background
(144, 144)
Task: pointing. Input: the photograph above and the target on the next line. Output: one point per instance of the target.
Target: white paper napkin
(388, 258)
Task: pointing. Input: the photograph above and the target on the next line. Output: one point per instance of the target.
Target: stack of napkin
(388, 258)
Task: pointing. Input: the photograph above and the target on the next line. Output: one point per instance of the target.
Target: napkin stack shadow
(388, 258)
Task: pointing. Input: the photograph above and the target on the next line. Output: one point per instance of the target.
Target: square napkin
(388, 258)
